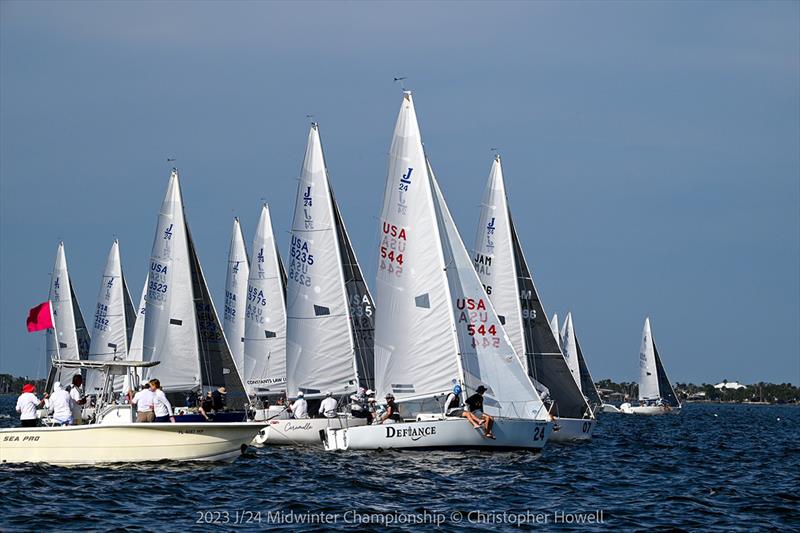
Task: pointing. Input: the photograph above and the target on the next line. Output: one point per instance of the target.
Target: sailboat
(265, 321)
(438, 327)
(233, 322)
(181, 327)
(554, 329)
(114, 319)
(656, 395)
(503, 270)
(68, 339)
(330, 313)
(574, 355)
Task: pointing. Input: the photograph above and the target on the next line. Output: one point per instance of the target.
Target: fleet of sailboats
(473, 323)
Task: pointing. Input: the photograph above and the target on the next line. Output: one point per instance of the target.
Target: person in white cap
(299, 407)
(328, 406)
(61, 405)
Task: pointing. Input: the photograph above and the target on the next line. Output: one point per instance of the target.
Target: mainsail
(73, 338)
(265, 315)
(181, 328)
(514, 296)
(329, 316)
(437, 326)
(236, 296)
(653, 381)
(110, 331)
(569, 347)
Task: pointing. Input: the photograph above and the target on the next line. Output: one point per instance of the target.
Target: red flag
(40, 317)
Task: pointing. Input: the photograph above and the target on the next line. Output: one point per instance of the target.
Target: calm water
(713, 467)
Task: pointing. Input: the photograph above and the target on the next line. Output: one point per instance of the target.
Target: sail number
(302, 258)
(473, 313)
(538, 433)
(393, 246)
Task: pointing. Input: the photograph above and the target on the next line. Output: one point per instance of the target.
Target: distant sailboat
(656, 395)
(114, 318)
(181, 328)
(330, 313)
(573, 347)
(236, 296)
(503, 270)
(265, 316)
(436, 328)
(69, 339)
(554, 328)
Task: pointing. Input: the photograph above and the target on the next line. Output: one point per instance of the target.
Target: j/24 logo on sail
(168, 233)
(405, 181)
(307, 197)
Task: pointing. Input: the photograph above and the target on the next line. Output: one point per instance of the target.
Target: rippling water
(713, 467)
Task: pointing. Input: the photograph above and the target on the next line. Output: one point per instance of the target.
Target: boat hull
(126, 443)
(573, 429)
(649, 410)
(455, 433)
(303, 432)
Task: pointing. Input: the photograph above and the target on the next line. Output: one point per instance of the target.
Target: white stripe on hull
(303, 432)
(124, 443)
(573, 429)
(510, 433)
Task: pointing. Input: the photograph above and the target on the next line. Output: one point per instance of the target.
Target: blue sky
(651, 151)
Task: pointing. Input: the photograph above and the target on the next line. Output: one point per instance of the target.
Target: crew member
(392, 413)
(299, 407)
(327, 407)
(27, 404)
(475, 404)
(161, 406)
(78, 398)
(143, 400)
(61, 404)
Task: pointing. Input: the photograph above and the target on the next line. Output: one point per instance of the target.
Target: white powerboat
(114, 437)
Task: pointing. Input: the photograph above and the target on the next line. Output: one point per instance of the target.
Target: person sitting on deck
(205, 405)
(299, 407)
(392, 413)
(27, 404)
(475, 404)
(218, 396)
(328, 406)
(454, 407)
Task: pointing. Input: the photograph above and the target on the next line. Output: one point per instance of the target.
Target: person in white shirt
(328, 406)
(61, 405)
(299, 407)
(27, 404)
(162, 407)
(143, 400)
(78, 398)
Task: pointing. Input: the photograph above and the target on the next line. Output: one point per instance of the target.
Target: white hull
(572, 429)
(648, 410)
(608, 408)
(303, 431)
(452, 433)
(126, 443)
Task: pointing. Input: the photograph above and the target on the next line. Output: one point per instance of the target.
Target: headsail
(236, 296)
(73, 337)
(265, 315)
(545, 363)
(110, 328)
(321, 344)
(665, 389)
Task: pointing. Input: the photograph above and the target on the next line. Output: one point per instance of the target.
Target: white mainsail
(494, 259)
(437, 326)
(236, 296)
(556, 332)
(648, 375)
(110, 328)
(569, 347)
(72, 342)
(319, 342)
(265, 315)
(170, 328)
(415, 339)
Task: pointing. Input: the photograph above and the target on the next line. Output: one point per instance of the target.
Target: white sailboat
(503, 270)
(330, 313)
(569, 347)
(236, 296)
(656, 395)
(113, 320)
(265, 316)
(181, 327)
(113, 437)
(68, 339)
(585, 381)
(438, 327)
